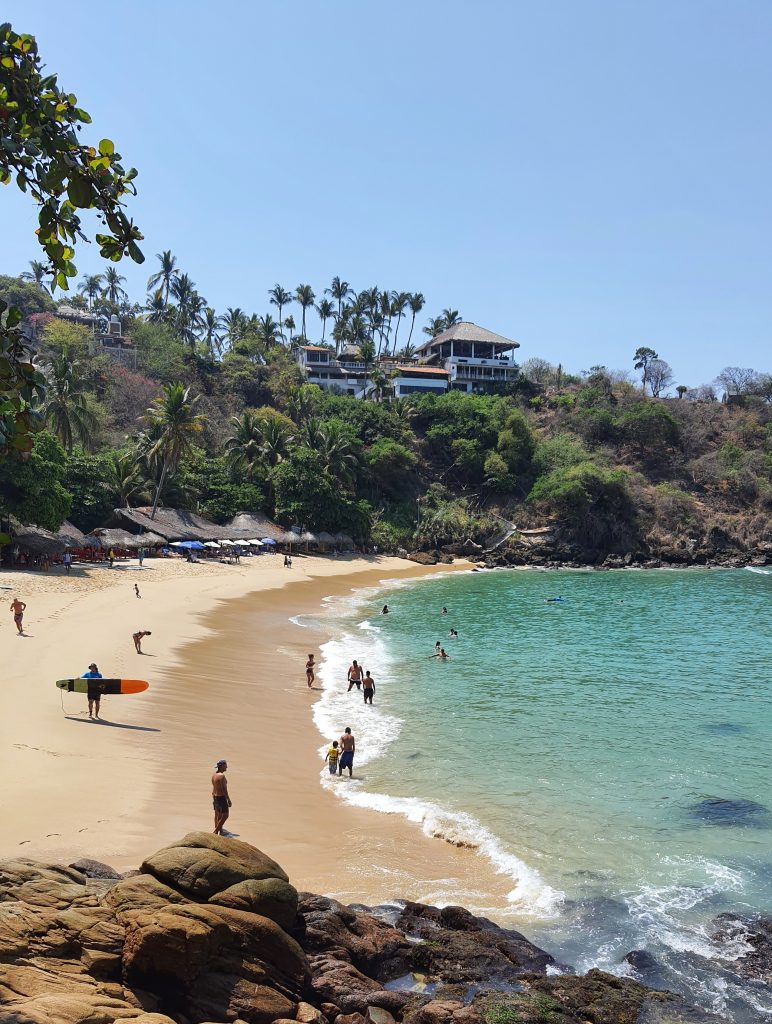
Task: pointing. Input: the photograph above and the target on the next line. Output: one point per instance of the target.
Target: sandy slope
(226, 672)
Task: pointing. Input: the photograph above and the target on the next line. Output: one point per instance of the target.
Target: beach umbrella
(211, 544)
(177, 544)
(226, 543)
(254, 543)
(268, 540)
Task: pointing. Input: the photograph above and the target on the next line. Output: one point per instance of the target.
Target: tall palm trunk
(160, 487)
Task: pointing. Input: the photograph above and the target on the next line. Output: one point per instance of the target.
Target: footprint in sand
(51, 834)
(82, 830)
(24, 841)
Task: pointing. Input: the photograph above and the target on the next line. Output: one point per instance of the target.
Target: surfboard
(111, 686)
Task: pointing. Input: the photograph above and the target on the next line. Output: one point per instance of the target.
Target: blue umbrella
(194, 545)
(267, 540)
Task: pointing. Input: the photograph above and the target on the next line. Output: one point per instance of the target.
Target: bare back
(219, 784)
(347, 741)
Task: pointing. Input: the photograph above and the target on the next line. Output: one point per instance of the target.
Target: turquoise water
(609, 752)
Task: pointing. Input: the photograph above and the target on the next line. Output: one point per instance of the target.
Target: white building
(345, 375)
(476, 359)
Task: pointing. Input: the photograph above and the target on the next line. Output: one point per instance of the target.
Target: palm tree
(311, 434)
(280, 297)
(175, 422)
(112, 290)
(163, 278)
(337, 450)
(235, 323)
(450, 317)
(435, 326)
(275, 442)
(38, 273)
(156, 308)
(289, 323)
(124, 478)
(325, 309)
(416, 301)
(91, 287)
(304, 294)
(407, 352)
(243, 449)
(303, 403)
(367, 355)
(187, 316)
(212, 325)
(338, 290)
(66, 409)
(399, 301)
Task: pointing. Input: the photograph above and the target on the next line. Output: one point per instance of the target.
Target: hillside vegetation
(231, 426)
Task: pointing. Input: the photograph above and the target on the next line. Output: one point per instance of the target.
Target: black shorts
(220, 803)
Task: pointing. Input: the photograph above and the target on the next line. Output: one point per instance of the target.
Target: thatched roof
(38, 541)
(253, 524)
(466, 331)
(71, 535)
(325, 538)
(175, 524)
(116, 538)
(344, 540)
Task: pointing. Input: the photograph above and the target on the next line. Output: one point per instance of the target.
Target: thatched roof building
(38, 541)
(71, 535)
(117, 538)
(253, 524)
(174, 524)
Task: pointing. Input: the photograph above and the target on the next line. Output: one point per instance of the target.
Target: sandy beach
(226, 671)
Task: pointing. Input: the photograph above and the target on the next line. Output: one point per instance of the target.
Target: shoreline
(142, 780)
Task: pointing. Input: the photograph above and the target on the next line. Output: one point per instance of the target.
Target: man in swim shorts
(220, 799)
(368, 687)
(137, 638)
(348, 747)
(354, 676)
(94, 693)
(17, 607)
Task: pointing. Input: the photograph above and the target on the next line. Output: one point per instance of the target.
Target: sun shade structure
(71, 535)
(115, 538)
(211, 544)
(325, 538)
(251, 524)
(269, 540)
(174, 524)
(38, 541)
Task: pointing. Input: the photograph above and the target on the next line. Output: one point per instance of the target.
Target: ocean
(609, 752)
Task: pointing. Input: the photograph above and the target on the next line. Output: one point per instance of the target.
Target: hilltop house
(465, 357)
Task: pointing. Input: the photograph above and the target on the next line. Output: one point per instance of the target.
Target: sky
(583, 177)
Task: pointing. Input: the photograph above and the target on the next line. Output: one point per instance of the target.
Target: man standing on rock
(220, 799)
(347, 746)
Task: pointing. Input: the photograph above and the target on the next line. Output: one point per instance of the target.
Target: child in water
(332, 758)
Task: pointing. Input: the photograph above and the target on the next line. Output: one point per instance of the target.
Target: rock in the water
(725, 813)
(202, 864)
(642, 962)
(755, 934)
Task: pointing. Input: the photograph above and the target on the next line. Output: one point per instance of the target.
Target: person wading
(368, 688)
(354, 676)
(348, 747)
(220, 799)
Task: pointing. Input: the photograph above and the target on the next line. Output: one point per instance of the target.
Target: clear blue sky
(585, 177)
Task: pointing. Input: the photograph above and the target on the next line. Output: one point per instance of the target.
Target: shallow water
(609, 752)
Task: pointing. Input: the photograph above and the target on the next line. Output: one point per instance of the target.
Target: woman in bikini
(310, 666)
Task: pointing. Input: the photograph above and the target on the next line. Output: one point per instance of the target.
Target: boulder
(202, 864)
(339, 982)
(373, 946)
(268, 897)
(94, 868)
(423, 557)
(756, 934)
(308, 1014)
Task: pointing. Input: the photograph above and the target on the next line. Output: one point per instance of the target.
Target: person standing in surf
(221, 801)
(310, 666)
(348, 748)
(354, 676)
(94, 693)
(17, 607)
(368, 688)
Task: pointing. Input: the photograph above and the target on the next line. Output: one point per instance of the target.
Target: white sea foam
(758, 570)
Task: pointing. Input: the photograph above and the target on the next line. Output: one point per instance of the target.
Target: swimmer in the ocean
(441, 655)
(437, 647)
(385, 610)
(552, 600)
(453, 634)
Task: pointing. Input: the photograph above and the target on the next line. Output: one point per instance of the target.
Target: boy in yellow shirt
(332, 758)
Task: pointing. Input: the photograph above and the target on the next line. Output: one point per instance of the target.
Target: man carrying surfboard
(94, 694)
(220, 799)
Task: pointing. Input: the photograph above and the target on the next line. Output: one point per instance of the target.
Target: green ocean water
(610, 752)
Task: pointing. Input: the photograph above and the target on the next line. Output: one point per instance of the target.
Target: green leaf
(80, 191)
(106, 148)
(136, 253)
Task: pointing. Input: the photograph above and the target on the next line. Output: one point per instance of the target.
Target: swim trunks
(220, 803)
(347, 759)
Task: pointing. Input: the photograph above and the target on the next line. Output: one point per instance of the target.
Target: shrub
(649, 427)
(594, 501)
(388, 462)
(559, 452)
(594, 425)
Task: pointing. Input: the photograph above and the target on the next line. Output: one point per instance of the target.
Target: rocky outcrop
(210, 931)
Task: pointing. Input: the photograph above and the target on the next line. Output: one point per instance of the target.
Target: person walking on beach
(136, 590)
(17, 607)
(94, 693)
(354, 676)
(348, 747)
(221, 801)
(368, 687)
(310, 666)
(137, 638)
(331, 760)
(141, 556)
(67, 562)
(111, 557)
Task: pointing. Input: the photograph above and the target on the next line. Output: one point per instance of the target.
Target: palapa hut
(121, 539)
(344, 542)
(325, 540)
(254, 524)
(71, 535)
(174, 524)
(35, 541)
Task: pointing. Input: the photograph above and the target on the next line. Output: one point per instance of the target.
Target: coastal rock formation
(210, 931)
